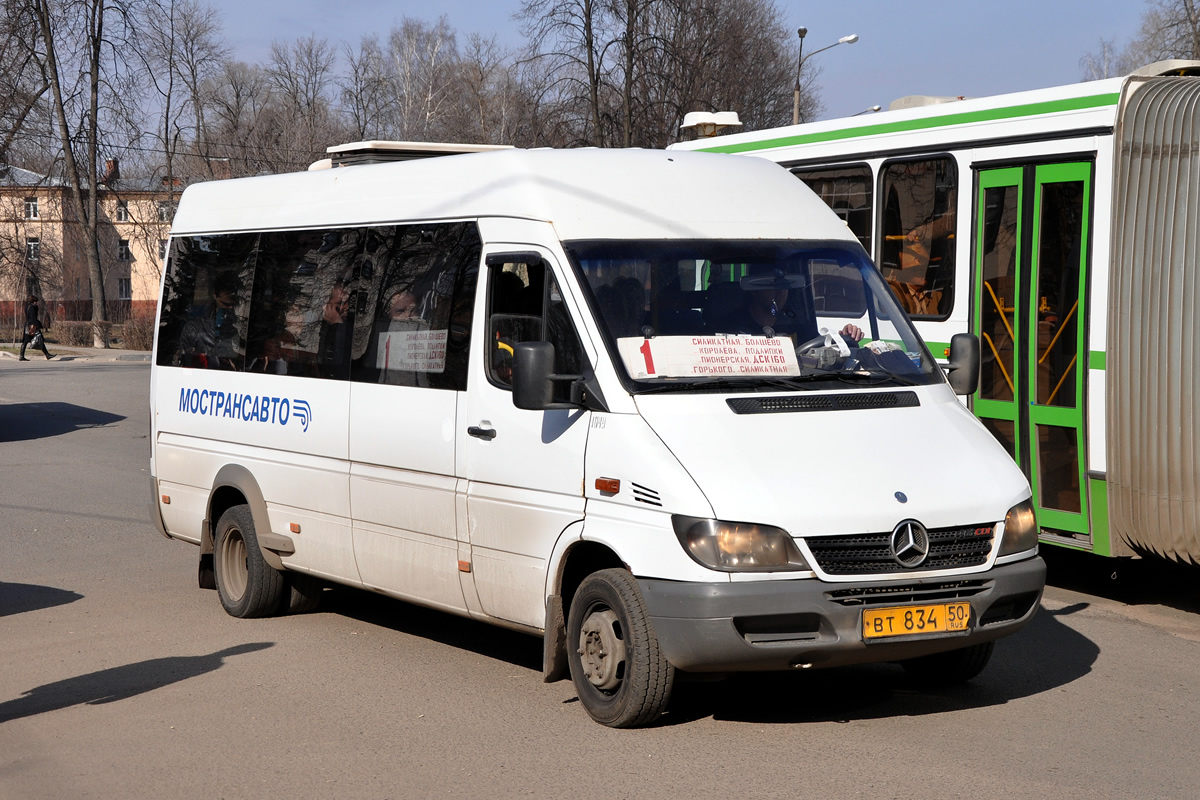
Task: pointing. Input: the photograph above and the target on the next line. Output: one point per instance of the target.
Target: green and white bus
(1059, 226)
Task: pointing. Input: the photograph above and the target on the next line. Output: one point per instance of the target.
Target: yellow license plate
(880, 623)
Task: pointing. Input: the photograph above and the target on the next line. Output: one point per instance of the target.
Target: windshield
(688, 314)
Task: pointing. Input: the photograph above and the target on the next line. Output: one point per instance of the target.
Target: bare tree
(571, 41)
(82, 47)
(1170, 29)
(1108, 62)
(22, 84)
(363, 90)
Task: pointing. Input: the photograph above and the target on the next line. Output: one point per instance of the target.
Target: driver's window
(525, 304)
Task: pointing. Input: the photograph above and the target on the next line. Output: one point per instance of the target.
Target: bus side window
(207, 298)
(300, 315)
(919, 228)
(415, 296)
(847, 190)
(525, 304)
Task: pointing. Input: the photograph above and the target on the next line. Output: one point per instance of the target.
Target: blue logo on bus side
(245, 407)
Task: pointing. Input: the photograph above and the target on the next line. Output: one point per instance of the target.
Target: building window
(122, 211)
(162, 249)
(33, 248)
(124, 289)
(31, 209)
(123, 250)
(165, 211)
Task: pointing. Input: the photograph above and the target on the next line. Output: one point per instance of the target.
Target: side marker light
(608, 485)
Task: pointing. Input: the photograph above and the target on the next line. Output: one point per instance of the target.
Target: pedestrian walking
(33, 329)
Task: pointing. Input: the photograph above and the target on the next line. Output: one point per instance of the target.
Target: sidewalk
(79, 354)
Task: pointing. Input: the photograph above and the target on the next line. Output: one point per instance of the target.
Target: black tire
(302, 594)
(619, 672)
(953, 667)
(247, 585)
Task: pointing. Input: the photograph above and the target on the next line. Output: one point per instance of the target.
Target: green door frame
(1028, 415)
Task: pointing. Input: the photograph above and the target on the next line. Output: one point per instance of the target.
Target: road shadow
(1134, 581)
(490, 641)
(1045, 655)
(18, 598)
(23, 422)
(119, 683)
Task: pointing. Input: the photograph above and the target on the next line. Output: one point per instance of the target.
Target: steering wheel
(810, 344)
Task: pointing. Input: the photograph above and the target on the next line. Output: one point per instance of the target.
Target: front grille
(871, 553)
(908, 593)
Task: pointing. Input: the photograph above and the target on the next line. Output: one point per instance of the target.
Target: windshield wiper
(877, 375)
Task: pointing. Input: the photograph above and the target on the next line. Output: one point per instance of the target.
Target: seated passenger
(210, 339)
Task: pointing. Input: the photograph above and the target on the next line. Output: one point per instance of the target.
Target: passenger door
(1031, 264)
(524, 469)
(414, 299)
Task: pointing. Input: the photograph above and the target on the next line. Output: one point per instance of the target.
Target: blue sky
(939, 47)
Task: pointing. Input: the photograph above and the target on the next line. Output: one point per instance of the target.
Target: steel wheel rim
(602, 651)
(234, 572)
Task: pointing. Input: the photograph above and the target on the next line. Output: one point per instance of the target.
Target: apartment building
(42, 244)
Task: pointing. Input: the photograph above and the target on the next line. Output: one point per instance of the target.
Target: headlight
(1020, 529)
(738, 546)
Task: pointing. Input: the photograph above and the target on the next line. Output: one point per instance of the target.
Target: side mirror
(964, 363)
(533, 377)
(533, 364)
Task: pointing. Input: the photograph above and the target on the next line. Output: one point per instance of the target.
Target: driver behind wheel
(765, 305)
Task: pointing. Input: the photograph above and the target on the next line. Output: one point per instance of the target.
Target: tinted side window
(919, 229)
(206, 300)
(525, 304)
(414, 296)
(847, 190)
(300, 317)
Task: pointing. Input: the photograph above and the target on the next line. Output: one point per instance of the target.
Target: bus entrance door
(1030, 270)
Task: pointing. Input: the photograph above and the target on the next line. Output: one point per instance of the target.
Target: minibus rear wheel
(247, 585)
(955, 666)
(618, 669)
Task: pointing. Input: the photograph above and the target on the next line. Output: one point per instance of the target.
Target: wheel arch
(234, 485)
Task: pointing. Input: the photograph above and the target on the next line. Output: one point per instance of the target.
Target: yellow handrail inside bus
(1002, 310)
(1000, 363)
(1061, 328)
(1070, 366)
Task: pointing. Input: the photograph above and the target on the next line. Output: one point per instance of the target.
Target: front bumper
(777, 625)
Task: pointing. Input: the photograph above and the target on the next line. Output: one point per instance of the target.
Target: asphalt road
(120, 678)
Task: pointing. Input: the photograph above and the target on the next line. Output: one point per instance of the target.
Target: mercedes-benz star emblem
(910, 544)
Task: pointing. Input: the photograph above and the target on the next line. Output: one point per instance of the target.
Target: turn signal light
(295, 527)
(608, 485)
(464, 566)
(166, 498)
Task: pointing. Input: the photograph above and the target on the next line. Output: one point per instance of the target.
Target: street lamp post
(802, 32)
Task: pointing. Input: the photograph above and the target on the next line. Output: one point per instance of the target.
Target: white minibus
(1060, 226)
(658, 408)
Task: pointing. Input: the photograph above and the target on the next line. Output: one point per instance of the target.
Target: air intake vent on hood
(823, 402)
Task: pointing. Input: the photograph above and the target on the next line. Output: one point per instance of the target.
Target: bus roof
(1079, 106)
(584, 193)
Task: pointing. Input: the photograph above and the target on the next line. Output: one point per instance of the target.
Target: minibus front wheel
(247, 584)
(619, 672)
